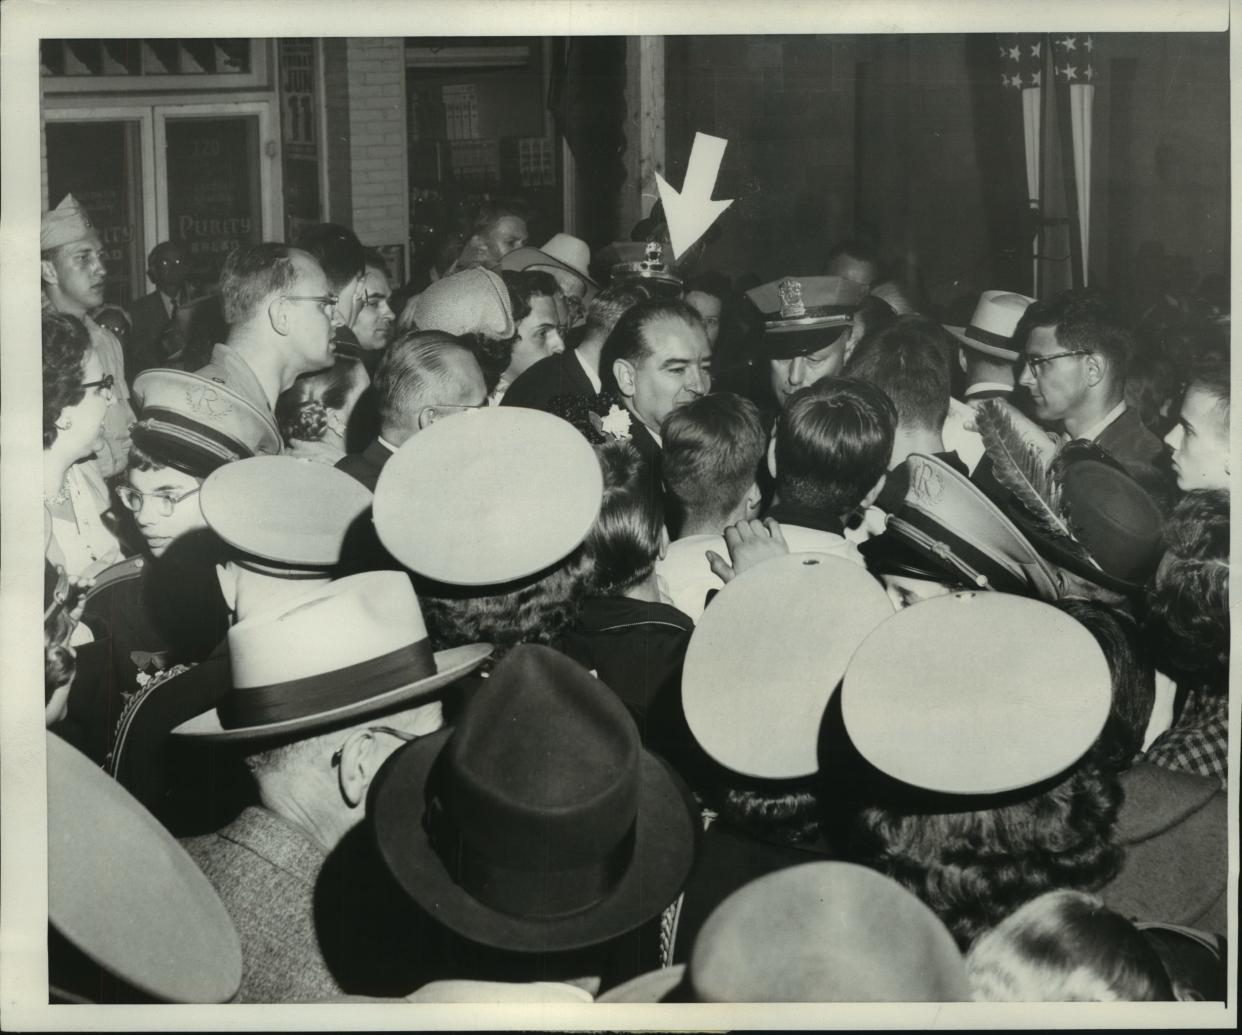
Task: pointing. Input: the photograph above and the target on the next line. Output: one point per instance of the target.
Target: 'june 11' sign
(299, 120)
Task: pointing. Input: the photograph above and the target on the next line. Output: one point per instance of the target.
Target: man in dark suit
(423, 377)
(576, 370)
(656, 359)
(1073, 367)
(155, 334)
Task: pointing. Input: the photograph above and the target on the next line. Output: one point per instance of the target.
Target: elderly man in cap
(280, 316)
(72, 270)
(424, 377)
(316, 714)
(811, 326)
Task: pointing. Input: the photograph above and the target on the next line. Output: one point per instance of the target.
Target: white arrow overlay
(692, 211)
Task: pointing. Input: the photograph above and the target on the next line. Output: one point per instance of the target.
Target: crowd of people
(580, 628)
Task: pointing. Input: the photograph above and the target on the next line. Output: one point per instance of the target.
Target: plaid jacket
(1198, 742)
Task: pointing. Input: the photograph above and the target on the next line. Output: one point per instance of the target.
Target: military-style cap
(474, 301)
(67, 222)
(993, 323)
(287, 516)
(196, 424)
(124, 892)
(488, 496)
(803, 314)
(766, 656)
(976, 693)
(945, 529)
(831, 932)
(641, 260)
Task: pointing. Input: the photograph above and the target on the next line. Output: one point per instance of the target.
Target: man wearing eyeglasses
(280, 313)
(1073, 368)
(339, 252)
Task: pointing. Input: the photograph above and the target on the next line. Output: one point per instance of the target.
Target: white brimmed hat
(767, 655)
(348, 649)
(976, 693)
(126, 894)
(574, 252)
(488, 497)
(993, 323)
(283, 513)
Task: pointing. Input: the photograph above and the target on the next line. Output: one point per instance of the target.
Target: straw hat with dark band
(352, 648)
(993, 323)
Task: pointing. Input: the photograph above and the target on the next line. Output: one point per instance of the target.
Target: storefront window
(213, 189)
(99, 163)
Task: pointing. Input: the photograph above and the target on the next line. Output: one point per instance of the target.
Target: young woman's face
(80, 426)
(159, 518)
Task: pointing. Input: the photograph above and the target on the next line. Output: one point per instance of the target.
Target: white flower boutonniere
(616, 423)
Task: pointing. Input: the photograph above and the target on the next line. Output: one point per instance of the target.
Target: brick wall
(378, 164)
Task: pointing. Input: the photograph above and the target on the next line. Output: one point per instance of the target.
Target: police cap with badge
(802, 315)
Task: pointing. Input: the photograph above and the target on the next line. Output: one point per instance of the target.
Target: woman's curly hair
(302, 409)
(65, 345)
(537, 610)
(974, 868)
(1188, 599)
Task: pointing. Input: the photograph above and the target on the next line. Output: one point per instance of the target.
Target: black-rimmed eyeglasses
(1037, 362)
(325, 302)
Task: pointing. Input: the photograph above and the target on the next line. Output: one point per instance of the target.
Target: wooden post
(644, 129)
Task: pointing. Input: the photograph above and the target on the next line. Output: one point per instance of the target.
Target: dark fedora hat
(1113, 516)
(539, 823)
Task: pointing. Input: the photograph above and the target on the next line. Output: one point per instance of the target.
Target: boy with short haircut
(1200, 439)
(829, 456)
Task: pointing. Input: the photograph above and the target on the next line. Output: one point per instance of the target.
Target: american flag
(1021, 60)
(1073, 59)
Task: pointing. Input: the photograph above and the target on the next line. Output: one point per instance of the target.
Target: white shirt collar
(1094, 432)
(592, 376)
(987, 386)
